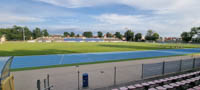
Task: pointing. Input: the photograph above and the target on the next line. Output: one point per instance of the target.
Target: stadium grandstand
(83, 40)
(69, 39)
(187, 81)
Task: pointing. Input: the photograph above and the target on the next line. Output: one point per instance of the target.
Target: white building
(3, 38)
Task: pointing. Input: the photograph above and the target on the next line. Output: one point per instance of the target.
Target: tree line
(129, 35)
(189, 36)
(18, 33)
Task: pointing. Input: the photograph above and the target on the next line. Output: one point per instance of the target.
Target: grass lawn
(25, 49)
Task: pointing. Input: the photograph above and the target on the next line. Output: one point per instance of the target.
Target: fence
(46, 84)
(155, 69)
(102, 77)
(105, 77)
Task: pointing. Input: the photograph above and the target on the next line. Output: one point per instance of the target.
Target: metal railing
(106, 77)
(46, 84)
(103, 77)
(155, 69)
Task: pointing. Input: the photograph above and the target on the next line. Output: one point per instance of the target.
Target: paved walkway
(100, 75)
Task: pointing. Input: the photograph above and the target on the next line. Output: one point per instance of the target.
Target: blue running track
(47, 60)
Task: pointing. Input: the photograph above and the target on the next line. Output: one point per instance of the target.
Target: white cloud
(76, 3)
(168, 17)
(142, 4)
(120, 19)
(8, 18)
(158, 6)
(166, 26)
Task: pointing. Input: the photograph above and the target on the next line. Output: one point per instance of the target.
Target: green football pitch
(25, 49)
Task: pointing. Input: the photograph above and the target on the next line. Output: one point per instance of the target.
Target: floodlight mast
(23, 34)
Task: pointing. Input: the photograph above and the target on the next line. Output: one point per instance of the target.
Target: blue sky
(167, 17)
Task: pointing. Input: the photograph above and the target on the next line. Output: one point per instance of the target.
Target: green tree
(77, 35)
(138, 36)
(37, 33)
(109, 35)
(28, 33)
(149, 35)
(156, 36)
(18, 32)
(100, 34)
(45, 33)
(72, 34)
(152, 36)
(88, 34)
(14, 33)
(118, 35)
(66, 34)
(186, 36)
(193, 31)
(129, 35)
(1, 34)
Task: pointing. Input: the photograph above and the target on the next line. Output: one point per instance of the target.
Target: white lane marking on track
(62, 58)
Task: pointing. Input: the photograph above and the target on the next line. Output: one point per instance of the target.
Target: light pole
(77, 67)
(23, 34)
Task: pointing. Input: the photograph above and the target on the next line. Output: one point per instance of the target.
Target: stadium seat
(161, 88)
(115, 89)
(152, 89)
(190, 89)
(131, 87)
(168, 87)
(197, 88)
(152, 84)
(146, 85)
(188, 81)
(123, 88)
(139, 87)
